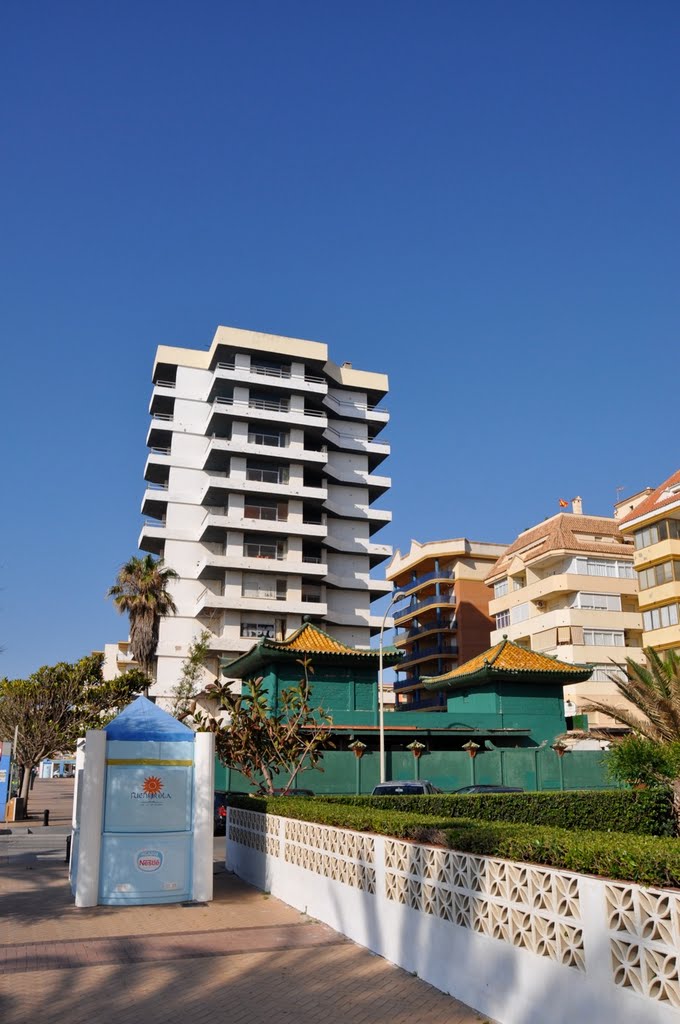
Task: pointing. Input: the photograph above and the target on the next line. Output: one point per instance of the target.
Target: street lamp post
(381, 699)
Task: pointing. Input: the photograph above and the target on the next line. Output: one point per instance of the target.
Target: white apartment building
(567, 587)
(263, 468)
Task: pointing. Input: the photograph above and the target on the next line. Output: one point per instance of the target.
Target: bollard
(46, 818)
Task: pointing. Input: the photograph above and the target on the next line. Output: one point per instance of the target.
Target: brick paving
(245, 958)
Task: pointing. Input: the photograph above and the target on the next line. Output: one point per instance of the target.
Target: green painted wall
(509, 705)
(537, 768)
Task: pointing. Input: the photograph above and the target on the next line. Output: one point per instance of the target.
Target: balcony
(447, 652)
(157, 468)
(416, 607)
(377, 553)
(216, 521)
(155, 501)
(350, 410)
(437, 575)
(431, 702)
(222, 447)
(264, 410)
(377, 485)
(274, 377)
(277, 606)
(348, 442)
(448, 626)
(152, 538)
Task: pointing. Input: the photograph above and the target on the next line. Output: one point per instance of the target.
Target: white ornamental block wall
(522, 944)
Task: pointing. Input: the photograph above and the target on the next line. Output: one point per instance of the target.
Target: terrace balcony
(347, 442)
(222, 447)
(263, 410)
(214, 566)
(217, 487)
(415, 607)
(216, 521)
(445, 576)
(405, 637)
(207, 600)
(272, 377)
(377, 485)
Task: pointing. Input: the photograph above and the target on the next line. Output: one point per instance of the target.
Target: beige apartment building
(651, 519)
(443, 617)
(567, 588)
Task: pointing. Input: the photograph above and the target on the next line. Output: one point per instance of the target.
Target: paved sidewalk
(245, 958)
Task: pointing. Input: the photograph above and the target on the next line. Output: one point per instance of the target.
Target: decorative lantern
(416, 748)
(471, 748)
(358, 747)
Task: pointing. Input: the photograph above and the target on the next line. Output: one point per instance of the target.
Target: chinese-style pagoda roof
(508, 661)
(307, 641)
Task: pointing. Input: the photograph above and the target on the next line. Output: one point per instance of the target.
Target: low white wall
(520, 943)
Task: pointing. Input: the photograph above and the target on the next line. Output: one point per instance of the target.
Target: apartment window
(263, 587)
(605, 673)
(603, 638)
(601, 567)
(598, 602)
(519, 614)
(310, 593)
(258, 629)
(502, 619)
(659, 618)
(659, 574)
(500, 589)
(267, 472)
(665, 530)
(274, 438)
(255, 546)
(519, 582)
(272, 511)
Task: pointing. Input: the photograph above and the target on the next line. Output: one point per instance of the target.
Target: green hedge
(644, 812)
(648, 860)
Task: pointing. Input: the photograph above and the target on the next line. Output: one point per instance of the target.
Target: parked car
(489, 789)
(405, 787)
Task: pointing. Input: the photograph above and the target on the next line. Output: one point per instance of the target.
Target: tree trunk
(26, 786)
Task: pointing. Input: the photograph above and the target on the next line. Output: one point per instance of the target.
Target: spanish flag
(563, 503)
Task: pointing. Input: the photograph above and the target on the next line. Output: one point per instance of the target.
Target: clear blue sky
(478, 198)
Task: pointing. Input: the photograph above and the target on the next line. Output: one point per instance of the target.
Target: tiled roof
(656, 500)
(564, 532)
(507, 657)
(309, 639)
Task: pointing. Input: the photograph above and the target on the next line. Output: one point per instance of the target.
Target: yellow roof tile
(509, 657)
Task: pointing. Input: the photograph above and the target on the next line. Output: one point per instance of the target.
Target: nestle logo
(149, 860)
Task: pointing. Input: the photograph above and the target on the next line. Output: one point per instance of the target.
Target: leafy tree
(270, 747)
(654, 693)
(141, 590)
(192, 672)
(57, 704)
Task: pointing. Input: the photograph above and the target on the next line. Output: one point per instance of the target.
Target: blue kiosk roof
(143, 720)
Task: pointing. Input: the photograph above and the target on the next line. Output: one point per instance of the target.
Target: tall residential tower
(263, 468)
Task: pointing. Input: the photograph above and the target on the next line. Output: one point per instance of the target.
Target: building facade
(443, 619)
(567, 588)
(651, 519)
(264, 466)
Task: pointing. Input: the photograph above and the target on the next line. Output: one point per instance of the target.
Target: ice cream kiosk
(143, 811)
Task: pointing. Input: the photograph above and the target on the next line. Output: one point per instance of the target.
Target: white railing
(539, 944)
(160, 451)
(156, 487)
(164, 384)
(166, 417)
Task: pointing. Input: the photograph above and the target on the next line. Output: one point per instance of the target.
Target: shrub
(637, 761)
(647, 812)
(647, 860)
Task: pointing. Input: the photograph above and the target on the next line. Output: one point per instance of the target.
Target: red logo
(152, 785)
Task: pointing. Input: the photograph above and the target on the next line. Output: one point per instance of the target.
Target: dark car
(405, 787)
(489, 789)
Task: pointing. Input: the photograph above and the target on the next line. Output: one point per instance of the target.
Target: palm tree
(141, 591)
(654, 692)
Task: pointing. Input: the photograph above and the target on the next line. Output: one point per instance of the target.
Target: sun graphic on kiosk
(152, 785)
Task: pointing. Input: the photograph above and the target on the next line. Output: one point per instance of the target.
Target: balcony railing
(436, 574)
(446, 651)
(438, 700)
(167, 417)
(164, 384)
(156, 487)
(416, 606)
(159, 451)
(268, 405)
(271, 515)
(313, 378)
(271, 371)
(431, 627)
